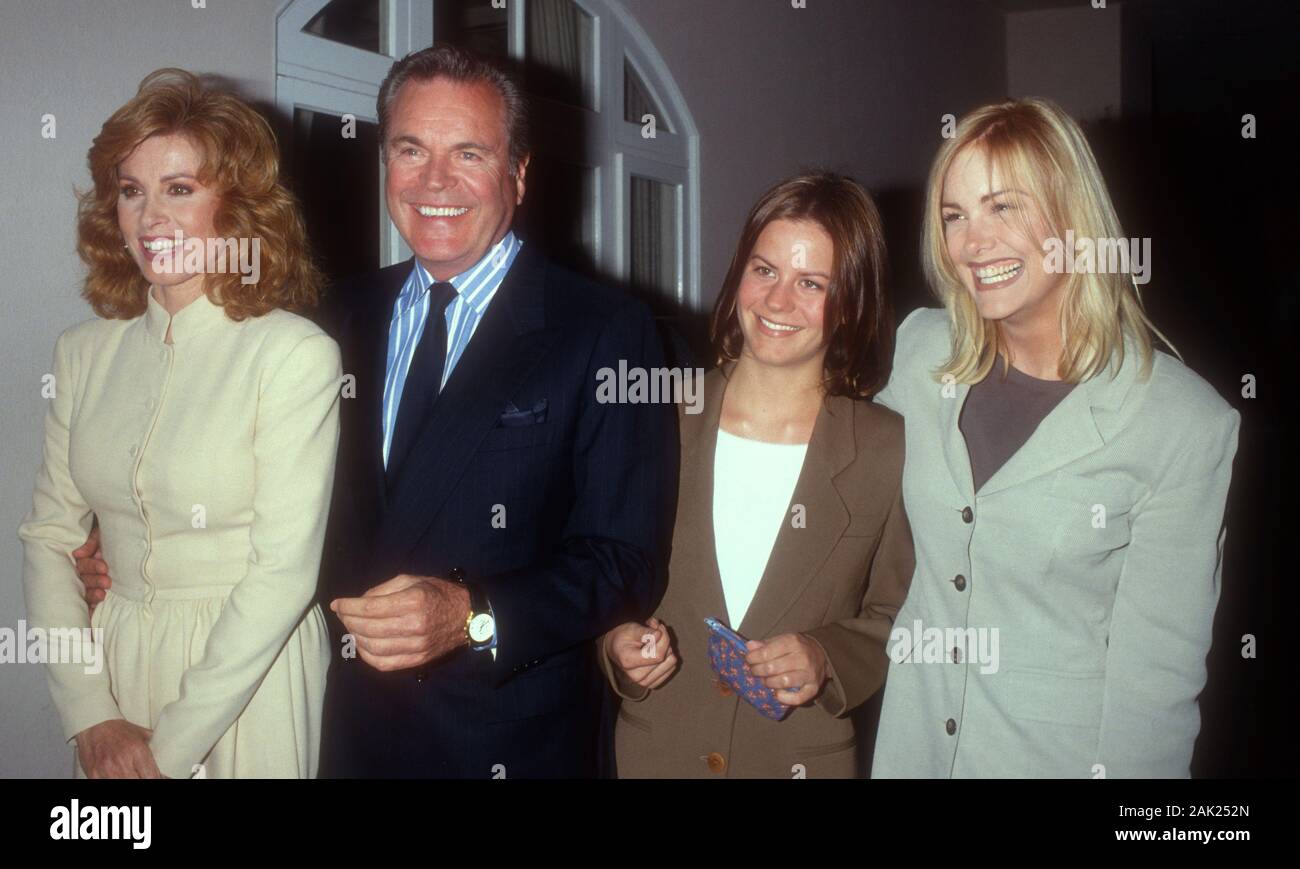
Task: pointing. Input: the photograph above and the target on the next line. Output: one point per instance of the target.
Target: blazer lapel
(1064, 435)
(370, 367)
(509, 342)
(695, 561)
(955, 453)
(1072, 430)
(799, 552)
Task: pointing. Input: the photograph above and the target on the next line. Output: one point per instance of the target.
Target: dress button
(950, 726)
(967, 515)
(960, 582)
(717, 763)
(723, 688)
(134, 450)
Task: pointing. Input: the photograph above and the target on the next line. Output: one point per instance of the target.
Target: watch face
(481, 628)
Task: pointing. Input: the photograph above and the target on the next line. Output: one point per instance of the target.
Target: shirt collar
(198, 316)
(475, 284)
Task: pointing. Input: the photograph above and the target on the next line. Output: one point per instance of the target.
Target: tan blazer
(841, 579)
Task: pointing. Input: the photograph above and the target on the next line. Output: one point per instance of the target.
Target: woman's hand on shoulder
(116, 749)
(644, 652)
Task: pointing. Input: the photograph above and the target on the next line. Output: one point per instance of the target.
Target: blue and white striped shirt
(475, 289)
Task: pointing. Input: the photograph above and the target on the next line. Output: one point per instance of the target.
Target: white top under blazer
(752, 485)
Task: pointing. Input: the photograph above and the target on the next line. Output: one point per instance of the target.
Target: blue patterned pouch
(727, 650)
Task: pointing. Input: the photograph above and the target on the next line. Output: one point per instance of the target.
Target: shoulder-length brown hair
(858, 317)
(240, 162)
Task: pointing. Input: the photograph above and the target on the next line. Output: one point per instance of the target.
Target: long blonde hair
(1036, 147)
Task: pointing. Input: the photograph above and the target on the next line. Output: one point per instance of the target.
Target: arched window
(614, 184)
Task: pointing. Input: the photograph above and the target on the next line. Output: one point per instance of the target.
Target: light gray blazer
(1090, 561)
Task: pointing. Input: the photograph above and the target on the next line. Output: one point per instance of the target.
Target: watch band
(478, 604)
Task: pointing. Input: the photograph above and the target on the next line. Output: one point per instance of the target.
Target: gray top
(1001, 413)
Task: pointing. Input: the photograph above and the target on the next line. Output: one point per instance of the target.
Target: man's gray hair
(467, 67)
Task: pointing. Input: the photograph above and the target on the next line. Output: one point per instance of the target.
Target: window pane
(637, 101)
(561, 52)
(559, 213)
(653, 243)
(350, 22)
(473, 24)
(336, 180)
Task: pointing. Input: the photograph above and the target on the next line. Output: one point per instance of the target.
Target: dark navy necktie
(423, 379)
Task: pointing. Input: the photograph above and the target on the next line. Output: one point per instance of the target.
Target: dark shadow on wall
(1220, 210)
(1224, 288)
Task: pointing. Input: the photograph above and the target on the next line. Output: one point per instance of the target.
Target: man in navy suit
(491, 518)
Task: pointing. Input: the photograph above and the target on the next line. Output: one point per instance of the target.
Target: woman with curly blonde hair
(196, 419)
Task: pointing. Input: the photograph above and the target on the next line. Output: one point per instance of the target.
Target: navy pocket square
(513, 417)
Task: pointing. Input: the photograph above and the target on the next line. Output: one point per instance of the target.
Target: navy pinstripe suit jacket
(560, 506)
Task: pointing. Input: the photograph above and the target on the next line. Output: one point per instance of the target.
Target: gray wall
(1071, 55)
(772, 89)
(853, 85)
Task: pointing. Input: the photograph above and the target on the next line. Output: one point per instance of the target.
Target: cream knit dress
(209, 463)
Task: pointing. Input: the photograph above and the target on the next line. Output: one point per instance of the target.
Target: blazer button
(950, 726)
(967, 515)
(717, 763)
(960, 582)
(723, 688)
(420, 676)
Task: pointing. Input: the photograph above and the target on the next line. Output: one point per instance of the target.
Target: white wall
(1071, 55)
(77, 60)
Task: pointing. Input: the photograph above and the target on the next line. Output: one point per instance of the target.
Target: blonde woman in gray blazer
(1064, 480)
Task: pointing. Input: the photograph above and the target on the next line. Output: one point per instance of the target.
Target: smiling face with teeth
(994, 238)
(782, 295)
(450, 188)
(160, 194)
